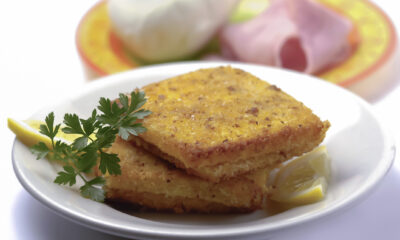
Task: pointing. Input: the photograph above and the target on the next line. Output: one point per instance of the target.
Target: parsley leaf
(105, 137)
(134, 129)
(109, 163)
(105, 106)
(66, 177)
(137, 101)
(87, 160)
(141, 114)
(90, 124)
(90, 190)
(124, 100)
(73, 125)
(97, 133)
(80, 142)
(62, 151)
(40, 150)
(49, 130)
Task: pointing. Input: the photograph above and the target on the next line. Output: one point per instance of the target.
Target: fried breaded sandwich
(151, 182)
(219, 123)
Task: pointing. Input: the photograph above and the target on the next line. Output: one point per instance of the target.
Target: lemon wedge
(303, 180)
(28, 132)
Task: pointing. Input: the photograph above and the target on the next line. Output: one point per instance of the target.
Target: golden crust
(245, 164)
(226, 119)
(151, 182)
(160, 202)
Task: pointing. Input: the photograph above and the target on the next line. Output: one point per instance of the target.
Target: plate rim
(104, 226)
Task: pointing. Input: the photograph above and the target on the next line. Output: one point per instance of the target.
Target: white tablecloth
(39, 64)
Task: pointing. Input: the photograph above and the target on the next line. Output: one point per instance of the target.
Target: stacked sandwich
(211, 140)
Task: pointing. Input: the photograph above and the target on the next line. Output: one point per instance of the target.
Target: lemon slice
(303, 180)
(28, 132)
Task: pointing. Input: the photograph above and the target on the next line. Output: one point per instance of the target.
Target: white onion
(160, 30)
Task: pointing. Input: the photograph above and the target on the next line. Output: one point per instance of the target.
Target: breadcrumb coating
(218, 123)
(154, 183)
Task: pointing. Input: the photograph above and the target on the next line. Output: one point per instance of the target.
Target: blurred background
(49, 49)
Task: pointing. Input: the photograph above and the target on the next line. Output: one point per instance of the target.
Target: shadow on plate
(31, 220)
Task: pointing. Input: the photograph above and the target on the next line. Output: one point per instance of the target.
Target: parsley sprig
(96, 134)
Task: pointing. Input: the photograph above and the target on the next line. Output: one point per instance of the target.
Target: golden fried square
(154, 183)
(218, 123)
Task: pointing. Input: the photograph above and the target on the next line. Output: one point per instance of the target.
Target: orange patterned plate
(373, 58)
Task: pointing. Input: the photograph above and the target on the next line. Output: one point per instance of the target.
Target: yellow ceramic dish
(104, 54)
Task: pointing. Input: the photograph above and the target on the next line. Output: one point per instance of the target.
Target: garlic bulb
(161, 30)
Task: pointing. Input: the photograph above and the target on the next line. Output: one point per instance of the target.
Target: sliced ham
(301, 35)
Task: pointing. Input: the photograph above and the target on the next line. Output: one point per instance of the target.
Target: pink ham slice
(297, 34)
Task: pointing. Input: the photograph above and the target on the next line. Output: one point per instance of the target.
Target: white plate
(360, 149)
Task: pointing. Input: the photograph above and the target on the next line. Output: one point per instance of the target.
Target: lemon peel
(28, 132)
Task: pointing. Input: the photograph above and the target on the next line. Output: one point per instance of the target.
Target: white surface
(359, 147)
(39, 64)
